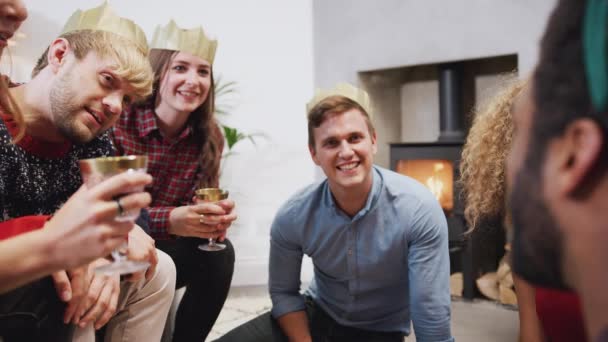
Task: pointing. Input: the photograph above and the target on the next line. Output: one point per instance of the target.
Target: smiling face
(87, 97)
(185, 84)
(12, 14)
(344, 148)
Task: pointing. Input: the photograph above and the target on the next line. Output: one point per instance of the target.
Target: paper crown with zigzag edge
(194, 41)
(103, 18)
(343, 89)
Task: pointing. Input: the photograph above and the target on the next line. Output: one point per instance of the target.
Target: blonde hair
(482, 166)
(131, 63)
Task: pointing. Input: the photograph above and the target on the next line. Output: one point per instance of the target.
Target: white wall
(373, 35)
(265, 46)
(353, 36)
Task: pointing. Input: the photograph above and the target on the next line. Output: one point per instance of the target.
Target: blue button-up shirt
(377, 270)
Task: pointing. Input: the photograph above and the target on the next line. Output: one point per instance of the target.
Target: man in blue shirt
(378, 241)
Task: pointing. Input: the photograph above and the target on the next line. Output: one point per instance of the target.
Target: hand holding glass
(96, 170)
(211, 195)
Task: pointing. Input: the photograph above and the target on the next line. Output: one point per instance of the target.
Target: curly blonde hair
(482, 166)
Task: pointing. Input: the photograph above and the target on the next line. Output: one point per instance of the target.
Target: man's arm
(429, 274)
(284, 285)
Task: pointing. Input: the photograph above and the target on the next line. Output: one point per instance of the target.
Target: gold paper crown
(346, 90)
(103, 18)
(193, 41)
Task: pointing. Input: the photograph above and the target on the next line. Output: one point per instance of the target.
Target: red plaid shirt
(174, 164)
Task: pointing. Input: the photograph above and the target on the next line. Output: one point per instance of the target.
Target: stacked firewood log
(496, 285)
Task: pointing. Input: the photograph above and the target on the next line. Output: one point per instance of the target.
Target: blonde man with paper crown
(176, 128)
(79, 88)
(378, 241)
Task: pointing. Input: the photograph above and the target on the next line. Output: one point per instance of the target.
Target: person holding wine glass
(41, 252)
(378, 240)
(78, 89)
(176, 128)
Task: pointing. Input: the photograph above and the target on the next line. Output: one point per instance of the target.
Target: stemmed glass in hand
(95, 171)
(211, 195)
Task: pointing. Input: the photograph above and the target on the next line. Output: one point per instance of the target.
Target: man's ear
(374, 145)
(58, 51)
(574, 155)
(313, 154)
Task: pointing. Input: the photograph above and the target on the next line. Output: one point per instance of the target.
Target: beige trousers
(143, 307)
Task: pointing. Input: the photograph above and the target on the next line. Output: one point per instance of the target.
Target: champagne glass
(96, 170)
(211, 195)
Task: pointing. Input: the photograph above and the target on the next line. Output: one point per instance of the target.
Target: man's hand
(101, 300)
(142, 248)
(85, 229)
(71, 285)
(90, 296)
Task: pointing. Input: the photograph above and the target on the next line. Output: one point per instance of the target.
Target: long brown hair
(8, 104)
(205, 130)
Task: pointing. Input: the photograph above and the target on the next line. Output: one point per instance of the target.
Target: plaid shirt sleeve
(159, 222)
(159, 215)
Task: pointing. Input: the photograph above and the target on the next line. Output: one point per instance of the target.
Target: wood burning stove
(436, 165)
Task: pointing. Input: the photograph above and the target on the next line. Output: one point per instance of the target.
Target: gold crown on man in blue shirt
(342, 89)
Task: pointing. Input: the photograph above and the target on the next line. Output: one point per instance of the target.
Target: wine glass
(211, 195)
(96, 170)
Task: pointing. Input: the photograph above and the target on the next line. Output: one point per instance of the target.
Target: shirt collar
(36, 147)
(147, 124)
(372, 197)
(145, 121)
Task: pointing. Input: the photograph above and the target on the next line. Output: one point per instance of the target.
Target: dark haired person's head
(557, 164)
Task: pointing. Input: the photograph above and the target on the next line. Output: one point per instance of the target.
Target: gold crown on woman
(343, 89)
(194, 41)
(103, 18)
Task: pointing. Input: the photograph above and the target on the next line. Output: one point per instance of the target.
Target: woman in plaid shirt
(176, 128)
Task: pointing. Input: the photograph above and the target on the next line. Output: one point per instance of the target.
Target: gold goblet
(211, 195)
(96, 170)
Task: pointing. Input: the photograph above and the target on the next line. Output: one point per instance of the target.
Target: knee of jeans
(166, 273)
(221, 263)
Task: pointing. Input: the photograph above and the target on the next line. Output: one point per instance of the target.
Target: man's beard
(537, 241)
(65, 111)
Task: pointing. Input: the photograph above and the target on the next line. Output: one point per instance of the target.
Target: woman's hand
(203, 220)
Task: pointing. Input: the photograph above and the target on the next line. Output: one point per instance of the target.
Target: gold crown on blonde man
(193, 41)
(103, 18)
(342, 89)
